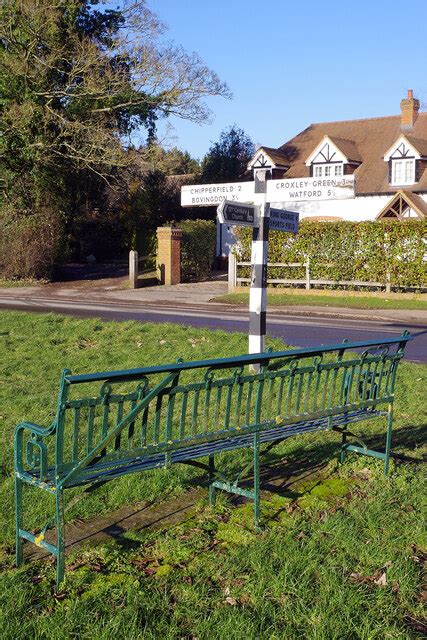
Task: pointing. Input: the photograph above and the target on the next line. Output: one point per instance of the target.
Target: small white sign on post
(282, 220)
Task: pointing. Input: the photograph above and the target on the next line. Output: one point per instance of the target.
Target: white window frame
(406, 175)
(328, 170)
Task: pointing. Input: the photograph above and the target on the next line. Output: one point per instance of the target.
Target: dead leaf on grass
(378, 578)
(422, 597)
(232, 601)
(382, 580)
(290, 508)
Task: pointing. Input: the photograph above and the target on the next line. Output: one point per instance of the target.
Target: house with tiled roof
(386, 157)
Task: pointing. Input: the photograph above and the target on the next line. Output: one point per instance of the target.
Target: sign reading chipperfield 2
(237, 213)
(208, 195)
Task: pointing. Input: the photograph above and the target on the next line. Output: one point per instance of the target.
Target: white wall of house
(353, 209)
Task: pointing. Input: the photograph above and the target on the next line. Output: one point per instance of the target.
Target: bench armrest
(35, 428)
(33, 456)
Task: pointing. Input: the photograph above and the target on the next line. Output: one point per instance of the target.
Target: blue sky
(292, 63)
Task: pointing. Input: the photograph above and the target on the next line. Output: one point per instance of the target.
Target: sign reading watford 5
(238, 213)
(300, 189)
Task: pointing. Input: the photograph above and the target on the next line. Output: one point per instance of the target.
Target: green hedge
(362, 251)
(197, 248)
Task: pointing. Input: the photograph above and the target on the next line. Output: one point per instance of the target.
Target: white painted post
(258, 290)
(388, 282)
(307, 274)
(232, 272)
(133, 269)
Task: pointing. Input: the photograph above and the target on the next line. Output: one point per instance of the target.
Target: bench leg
(19, 521)
(212, 490)
(60, 543)
(256, 481)
(343, 443)
(388, 439)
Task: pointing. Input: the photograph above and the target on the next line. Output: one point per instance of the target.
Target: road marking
(238, 317)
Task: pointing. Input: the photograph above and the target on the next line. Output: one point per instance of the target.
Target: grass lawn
(335, 299)
(340, 556)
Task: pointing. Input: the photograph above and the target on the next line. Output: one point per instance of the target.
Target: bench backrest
(119, 415)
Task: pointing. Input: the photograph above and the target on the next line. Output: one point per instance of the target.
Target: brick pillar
(168, 260)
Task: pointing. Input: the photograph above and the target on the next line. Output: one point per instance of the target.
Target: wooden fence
(307, 282)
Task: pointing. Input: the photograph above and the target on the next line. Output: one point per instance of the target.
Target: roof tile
(371, 138)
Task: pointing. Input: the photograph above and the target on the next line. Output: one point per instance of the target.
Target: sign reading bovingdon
(209, 195)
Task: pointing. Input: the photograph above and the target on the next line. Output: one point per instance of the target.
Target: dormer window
(402, 172)
(328, 170)
(402, 158)
(331, 156)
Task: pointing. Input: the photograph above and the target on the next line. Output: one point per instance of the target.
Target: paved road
(303, 331)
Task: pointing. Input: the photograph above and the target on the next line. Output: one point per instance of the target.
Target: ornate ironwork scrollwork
(237, 373)
(293, 366)
(317, 362)
(36, 455)
(208, 377)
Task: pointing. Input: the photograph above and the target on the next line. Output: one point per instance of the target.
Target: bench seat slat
(108, 469)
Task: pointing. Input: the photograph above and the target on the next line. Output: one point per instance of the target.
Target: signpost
(248, 204)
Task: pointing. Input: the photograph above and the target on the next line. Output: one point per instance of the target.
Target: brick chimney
(409, 108)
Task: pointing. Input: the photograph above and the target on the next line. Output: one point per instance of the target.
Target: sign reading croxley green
(300, 189)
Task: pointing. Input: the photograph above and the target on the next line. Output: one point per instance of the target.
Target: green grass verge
(340, 557)
(347, 300)
(10, 284)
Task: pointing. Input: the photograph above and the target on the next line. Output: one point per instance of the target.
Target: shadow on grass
(279, 471)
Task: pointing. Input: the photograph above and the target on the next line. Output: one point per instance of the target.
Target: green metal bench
(145, 418)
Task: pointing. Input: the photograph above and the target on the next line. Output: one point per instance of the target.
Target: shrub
(30, 243)
(197, 248)
(362, 251)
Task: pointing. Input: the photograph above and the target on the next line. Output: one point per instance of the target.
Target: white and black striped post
(258, 289)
